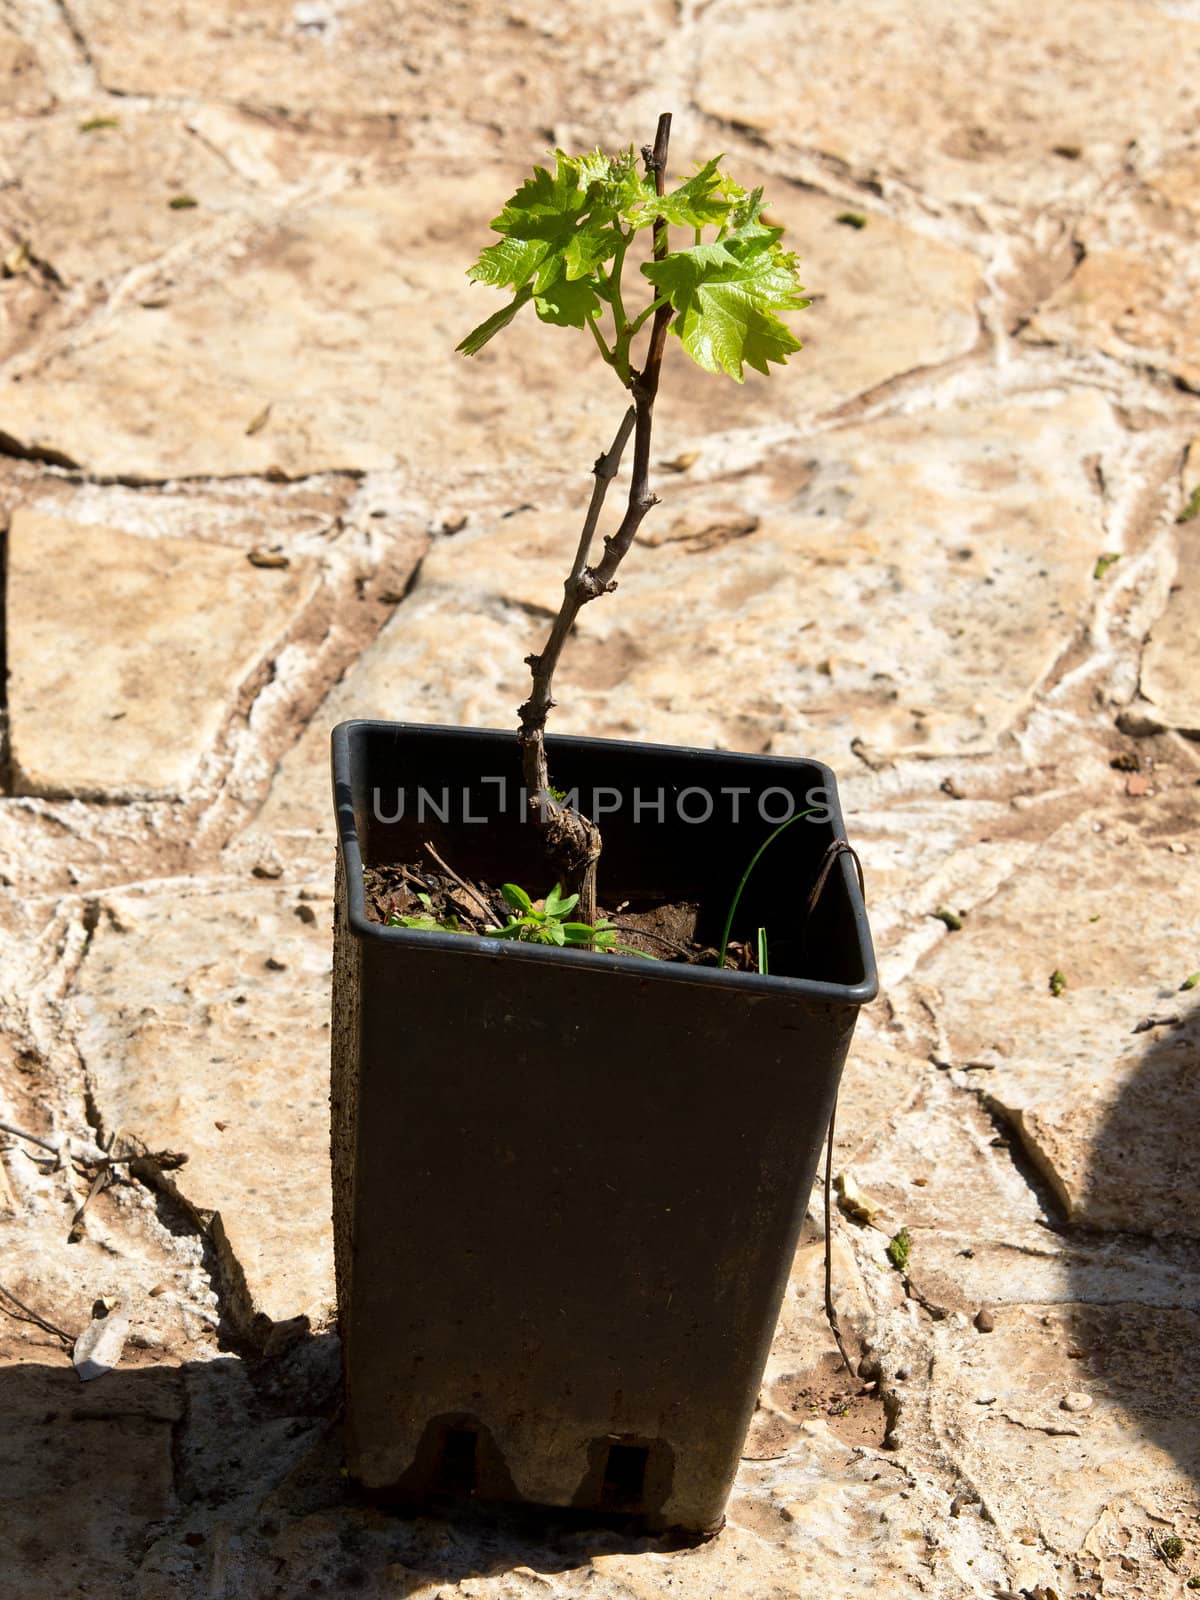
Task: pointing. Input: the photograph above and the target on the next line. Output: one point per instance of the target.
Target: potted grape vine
(592, 998)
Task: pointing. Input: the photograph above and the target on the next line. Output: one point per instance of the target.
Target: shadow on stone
(226, 1476)
(1142, 1192)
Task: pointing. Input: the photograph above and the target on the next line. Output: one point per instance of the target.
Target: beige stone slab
(1108, 1113)
(1171, 661)
(980, 1234)
(23, 86)
(202, 1015)
(371, 56)
(344, 317)
(126, 654)
(1134, 293)
(848, 609)
(1087, 1486)
(993, 103)
(854, 338)
(95, 202)
(907, 584)
(343, 322)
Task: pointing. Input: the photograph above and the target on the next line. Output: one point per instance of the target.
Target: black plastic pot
(568, 1186)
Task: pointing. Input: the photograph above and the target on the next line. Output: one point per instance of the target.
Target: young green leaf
(698, 203)
(568, 304)
(425, 923)
(727, 296)
(557, 904)
(478, 337)
(516, 897)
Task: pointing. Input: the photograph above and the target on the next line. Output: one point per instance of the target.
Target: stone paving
(249, 490)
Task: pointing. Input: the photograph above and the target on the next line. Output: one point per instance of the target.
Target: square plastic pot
(568, 1186)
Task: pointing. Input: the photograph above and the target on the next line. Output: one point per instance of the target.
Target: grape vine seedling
(567, 239)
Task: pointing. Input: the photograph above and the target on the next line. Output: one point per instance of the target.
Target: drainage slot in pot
(458, 1463)
(624, 1476)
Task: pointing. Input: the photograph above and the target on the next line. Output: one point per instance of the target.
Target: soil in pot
(664, 930)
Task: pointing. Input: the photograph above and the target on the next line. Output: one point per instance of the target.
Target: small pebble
(273, 964)
(267, 869)
(306, 913)
(984, 1320)
(1077, 1401)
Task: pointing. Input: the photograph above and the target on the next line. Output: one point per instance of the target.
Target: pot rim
(750, 984)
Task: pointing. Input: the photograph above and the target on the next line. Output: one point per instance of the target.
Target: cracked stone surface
(95, 201)
(1134, 294)
(266, 349)
(981, 107)
(168, 634)
(201, 1026)
(248, 490)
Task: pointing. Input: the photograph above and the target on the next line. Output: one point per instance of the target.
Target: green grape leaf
(560, 220)
(727, 297)
(697, 203)
(567, 303)
(589, 247)
(537, 224)
(557, 233)
(478, 337)
(509, 264)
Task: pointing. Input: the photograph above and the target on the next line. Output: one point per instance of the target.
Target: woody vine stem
(572, 840)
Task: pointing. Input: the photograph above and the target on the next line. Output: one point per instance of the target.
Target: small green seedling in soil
(951, 918)
(738, 892)
(1171, 1548)
(851, 219)
(1189, 514)
(1057, 982)
(94, 124)
(546, 925)
(425, 921)
(899, 1249)
(568, 239)
(1103, 564)
(1192, 981)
